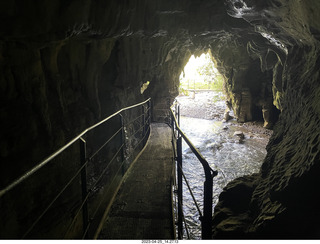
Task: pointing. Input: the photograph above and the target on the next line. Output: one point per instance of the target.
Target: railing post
(83, 160)
(206, 221)
(123, 144)
(206, 217)
(180, 199)
(143, 121)
(149, 113)
(172, 122)
(151, 110)
(178, 110)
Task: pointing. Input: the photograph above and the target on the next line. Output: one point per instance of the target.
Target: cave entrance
(200, 73)
(233, 149)
(201, 93)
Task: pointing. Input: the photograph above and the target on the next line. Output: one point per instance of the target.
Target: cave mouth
(201, 93)
(231, 147)
(200, 73)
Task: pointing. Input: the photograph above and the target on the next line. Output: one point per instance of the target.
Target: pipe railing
(66, 195)
(206, 216)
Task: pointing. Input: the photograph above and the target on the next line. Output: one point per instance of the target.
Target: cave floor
(142, 208)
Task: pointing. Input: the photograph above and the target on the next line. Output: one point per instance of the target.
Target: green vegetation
(217, 84)
(201, 73)
(183, 91)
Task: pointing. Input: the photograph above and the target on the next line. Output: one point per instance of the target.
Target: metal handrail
(85, 160)
(206, 217)
(52, 156)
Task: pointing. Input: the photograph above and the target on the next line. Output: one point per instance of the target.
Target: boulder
(239, 135)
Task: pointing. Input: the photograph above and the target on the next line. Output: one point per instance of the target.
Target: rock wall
(281, 201)
(67, 64)
(248, 84)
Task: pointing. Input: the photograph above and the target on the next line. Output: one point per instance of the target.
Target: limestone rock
(239, 135)
(231, 218)
(226, 116)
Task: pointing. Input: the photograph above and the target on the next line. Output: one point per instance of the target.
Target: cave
(66, 65)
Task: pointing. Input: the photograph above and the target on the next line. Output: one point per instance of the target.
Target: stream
(224, 151)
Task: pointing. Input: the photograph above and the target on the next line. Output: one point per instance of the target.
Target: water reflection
(218, 144)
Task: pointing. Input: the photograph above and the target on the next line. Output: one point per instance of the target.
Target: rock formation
(281, 201)
(67, 64)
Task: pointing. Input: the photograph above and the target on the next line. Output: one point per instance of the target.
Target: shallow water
(223, 151)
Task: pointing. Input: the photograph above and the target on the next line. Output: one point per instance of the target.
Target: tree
(210, 74)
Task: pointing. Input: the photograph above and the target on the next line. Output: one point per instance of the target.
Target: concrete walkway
(143, 206)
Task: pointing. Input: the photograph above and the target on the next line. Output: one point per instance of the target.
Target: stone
(227, 116)
(239, 135)
(231, 217)
(245, 113)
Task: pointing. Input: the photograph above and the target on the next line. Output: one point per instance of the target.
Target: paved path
(143, 206)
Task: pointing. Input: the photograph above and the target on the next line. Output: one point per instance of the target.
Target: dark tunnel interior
(66, 65)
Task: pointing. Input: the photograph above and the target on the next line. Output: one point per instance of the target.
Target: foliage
(183, 91)
(207, 71)
(207, 77)
(217, 84)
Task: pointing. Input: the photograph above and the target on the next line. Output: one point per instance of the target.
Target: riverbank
(203, 105)
(211, 105)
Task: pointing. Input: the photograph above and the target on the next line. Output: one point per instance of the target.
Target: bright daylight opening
(201, 73)
(201, 89)
(231, 148)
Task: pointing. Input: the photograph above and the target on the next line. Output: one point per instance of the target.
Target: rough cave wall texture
(67, 64)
